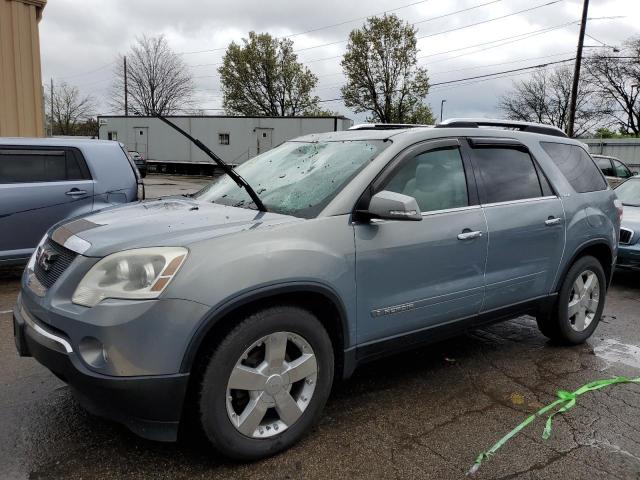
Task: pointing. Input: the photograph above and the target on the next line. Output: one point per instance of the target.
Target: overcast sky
(80, 40)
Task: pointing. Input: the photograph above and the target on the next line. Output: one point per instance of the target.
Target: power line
(447, 82)
(490, 20)
(413, 24)
(73, 75)
(319, 28)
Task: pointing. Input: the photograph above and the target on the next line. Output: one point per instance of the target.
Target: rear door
(414, 275)
(525, 220)
(39, 187)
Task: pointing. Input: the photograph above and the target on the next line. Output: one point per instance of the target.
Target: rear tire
(276, 364)
(579, 305)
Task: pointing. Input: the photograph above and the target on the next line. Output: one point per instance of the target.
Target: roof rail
(486, 122)
(386, 126)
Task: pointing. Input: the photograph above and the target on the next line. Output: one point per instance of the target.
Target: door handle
(75, 192)
(469, 235)
(552, 221)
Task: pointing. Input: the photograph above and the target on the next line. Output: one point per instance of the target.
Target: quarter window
(436, 179)
(576, 165)
(506, 174)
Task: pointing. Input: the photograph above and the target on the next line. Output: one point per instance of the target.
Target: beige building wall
(21, 102)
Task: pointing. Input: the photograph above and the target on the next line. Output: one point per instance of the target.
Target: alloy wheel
(584, 300)
(271, 385)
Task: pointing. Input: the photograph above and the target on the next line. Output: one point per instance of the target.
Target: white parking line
(5, 311)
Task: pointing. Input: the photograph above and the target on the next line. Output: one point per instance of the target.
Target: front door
(141, 140)
(525, 219)
(413, 275)
(264, 139)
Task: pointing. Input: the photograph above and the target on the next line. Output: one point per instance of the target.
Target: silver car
(45, 180)
(233, 310)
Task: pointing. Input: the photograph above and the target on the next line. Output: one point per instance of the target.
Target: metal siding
(167, 145)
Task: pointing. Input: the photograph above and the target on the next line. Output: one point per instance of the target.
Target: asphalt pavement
(424, 414)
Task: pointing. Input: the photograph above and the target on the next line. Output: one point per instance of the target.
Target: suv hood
(171, 221)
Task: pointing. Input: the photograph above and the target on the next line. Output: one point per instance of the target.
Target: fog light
(92, 351)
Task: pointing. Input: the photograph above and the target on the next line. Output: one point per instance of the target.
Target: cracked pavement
(423, 414)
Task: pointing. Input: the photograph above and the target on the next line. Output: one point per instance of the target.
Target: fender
(577, 253)
(228, 306)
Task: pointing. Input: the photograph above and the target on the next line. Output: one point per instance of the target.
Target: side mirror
(394, 206)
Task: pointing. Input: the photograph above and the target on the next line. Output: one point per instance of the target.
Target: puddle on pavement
(614, 351)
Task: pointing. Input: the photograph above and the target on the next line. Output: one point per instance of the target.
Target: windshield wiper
(228, 169)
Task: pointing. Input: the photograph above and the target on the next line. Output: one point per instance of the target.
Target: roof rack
(484, 122)
(386, 126)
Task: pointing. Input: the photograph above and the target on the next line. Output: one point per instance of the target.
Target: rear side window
(577, 166)
(506, 174)
(604, 164)
(29, 166)
(621, 170)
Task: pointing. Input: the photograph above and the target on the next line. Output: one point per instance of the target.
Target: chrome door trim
(450, 210)
(524, 200)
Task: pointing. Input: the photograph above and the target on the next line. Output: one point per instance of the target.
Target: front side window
(32, 166)
(506, 174)
(296, 178)
(576, 165)
(436, 179)
(621, 170)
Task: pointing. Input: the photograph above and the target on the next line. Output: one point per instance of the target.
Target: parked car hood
(171, 221)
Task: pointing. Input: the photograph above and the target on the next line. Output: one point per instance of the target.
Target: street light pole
(576, 71)
(442, 107)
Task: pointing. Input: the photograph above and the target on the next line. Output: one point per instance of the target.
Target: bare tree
(70, 109)
(616, 81)
(158, 80)
(544, 98)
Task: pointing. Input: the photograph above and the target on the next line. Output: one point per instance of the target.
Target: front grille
(52, 260)
(625, 236)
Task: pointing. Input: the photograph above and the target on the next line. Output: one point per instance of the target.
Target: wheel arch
(318, 298)
(599, 249)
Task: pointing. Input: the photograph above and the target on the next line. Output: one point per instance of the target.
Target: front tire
(266, 383)
(580, 303)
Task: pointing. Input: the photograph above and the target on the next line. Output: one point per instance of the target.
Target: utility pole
(576, 71)
(126, 92)
(51, 102)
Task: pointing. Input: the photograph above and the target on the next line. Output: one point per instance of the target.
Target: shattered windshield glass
(296, 178)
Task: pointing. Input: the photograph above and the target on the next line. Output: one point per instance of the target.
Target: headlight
(134, 274)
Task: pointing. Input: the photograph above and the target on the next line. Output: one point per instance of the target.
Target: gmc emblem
(45, 258)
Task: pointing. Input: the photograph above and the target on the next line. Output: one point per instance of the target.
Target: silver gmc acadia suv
(234, 310)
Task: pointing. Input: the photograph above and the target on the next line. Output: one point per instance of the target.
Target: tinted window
(435, 179)
(577, 166)
(25, 166)
(621, 170)
(604, 164)
(506, 174)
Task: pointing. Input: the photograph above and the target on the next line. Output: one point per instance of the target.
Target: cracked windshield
(296, 178)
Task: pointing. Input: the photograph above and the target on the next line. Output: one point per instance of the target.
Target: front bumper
(150, 406)
(629, 257)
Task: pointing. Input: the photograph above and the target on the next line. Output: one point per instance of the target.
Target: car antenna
(228, 169)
